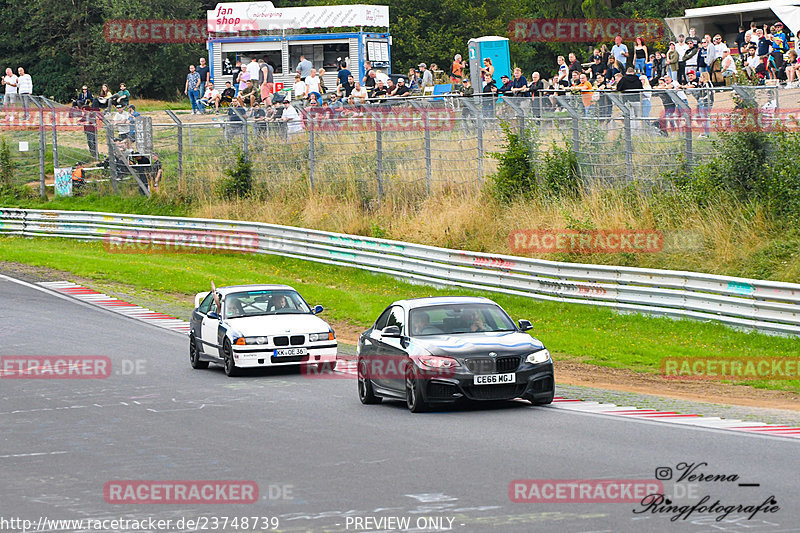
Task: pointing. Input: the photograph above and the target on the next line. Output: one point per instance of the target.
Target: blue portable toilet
(496, 49)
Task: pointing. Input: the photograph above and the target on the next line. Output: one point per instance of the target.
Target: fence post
(576, 131)
(379, 157)
(243, 118)
(112, 157)
(626, 127)
(54, 133)
(312, 154)
(42, 146)
(428, 162)
(179, 124)
(686, 113)
(478, 113)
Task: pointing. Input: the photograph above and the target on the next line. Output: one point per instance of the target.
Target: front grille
(488, 365)
(297, 340)
(507, 364)
(480, 365)
(280, 341)
(495, 392)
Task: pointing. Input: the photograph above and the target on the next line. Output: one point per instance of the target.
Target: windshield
(265, 302)
(448, 319)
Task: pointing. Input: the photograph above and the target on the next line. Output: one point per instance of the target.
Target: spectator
(792, 69)
(259, 116)
(601, 86)
(291, 117)
(122, 124)
(702, 56)
(390, 86)
(574, 65)
(345, 89)
(267, 78)
(673, 58)
(584, 87)
(244, 77)
(751, 63)
(313, 84)
(24, 90)
(691, 55)
(575, 79)
(359, 93)
(205, 75)
(728, 67)
(691, 80)
(371, 80)
(659, 67)
(630, 82)
(322, 87)
(741, 42)
(211, 97)
(304, 68)
(228, 94)
(248, 95)
(563, 70)
(191, 89)
(427, 77)
(457, 69)
(466, 88)
(719, 46)
(299, 89)
(103, 99)
(89, 121)
(620, 53)
(506, 87)
(536, 86)
(132, 114)
(640, 55)
(85, 98)
(487, 67)
(253, 70)
(596, 68)
(236, 71)
(519, 85)
(367, 68)
(10, 82)
(343, 75)
(681, 47)
(439, 77)
(413, 80)
(401, 89)
(379, 92)
(122, 97)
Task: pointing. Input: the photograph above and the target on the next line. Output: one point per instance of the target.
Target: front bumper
(532, 382)
(256, 357)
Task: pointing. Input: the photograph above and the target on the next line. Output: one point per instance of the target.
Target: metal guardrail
(766, 306)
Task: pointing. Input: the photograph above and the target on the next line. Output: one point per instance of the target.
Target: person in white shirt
(10, 81)
(728, 66)
(719, 45)
(299, 88)
(24, 89)
(359, 93)
(253, 68)
(291, 117)
(211, 97)
(312, 84)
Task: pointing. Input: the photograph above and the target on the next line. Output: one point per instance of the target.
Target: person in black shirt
(378, 91)
(401, 89)
(596, 68)
(228, 94)
(236, 72)
(506, 87)
(574, 65)
(205, 75)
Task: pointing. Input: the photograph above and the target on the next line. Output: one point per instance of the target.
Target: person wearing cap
(291, 117)
(466, 88)
(506, 87)
(427, 77)
(401, 89)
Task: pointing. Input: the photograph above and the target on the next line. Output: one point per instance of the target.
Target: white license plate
(494, 379)
(291, 352)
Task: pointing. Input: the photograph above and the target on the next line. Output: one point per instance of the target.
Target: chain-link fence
(403, 145)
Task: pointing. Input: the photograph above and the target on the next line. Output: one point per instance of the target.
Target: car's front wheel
(414, 400)
(542, 401)
(194, 355)
(365, 392)
(231, 370)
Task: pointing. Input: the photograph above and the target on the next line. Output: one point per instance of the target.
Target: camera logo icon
(663, 473)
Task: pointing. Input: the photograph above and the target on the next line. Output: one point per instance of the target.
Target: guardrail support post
(179, 124)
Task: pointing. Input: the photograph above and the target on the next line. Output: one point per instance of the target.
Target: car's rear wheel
(194, 355)
(365, 392)
(414, 399)
(231, 370)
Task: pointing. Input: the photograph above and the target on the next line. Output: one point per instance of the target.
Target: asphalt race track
(322, 461)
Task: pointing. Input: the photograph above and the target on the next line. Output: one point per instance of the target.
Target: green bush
(239, 179)
(6, 166)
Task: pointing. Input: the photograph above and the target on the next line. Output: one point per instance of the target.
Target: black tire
(365, 392)
(414, 399)
(231, 370)
(194, 355)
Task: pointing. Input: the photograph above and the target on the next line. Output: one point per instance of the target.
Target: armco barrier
(753, 304)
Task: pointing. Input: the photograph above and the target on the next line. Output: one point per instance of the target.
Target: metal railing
(766, 306)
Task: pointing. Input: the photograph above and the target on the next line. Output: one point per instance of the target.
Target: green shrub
(239, 179)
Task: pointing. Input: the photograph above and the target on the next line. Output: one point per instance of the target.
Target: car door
(209, 331)
(391, 353)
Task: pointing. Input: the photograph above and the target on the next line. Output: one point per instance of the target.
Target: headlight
(252, 340)
(542, 356)
(433, 361)
(327, 336)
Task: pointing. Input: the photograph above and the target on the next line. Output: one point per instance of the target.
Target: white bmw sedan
(250, 326)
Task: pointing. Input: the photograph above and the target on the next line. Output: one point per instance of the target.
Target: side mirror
(317, 310)
(199, 297)
(525, 325)
(391, 331)
(212, 315)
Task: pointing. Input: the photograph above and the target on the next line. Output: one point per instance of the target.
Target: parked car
(443, 350)
(249, 326)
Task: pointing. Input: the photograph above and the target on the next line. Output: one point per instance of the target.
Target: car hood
(478, 344)
(278, 325)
